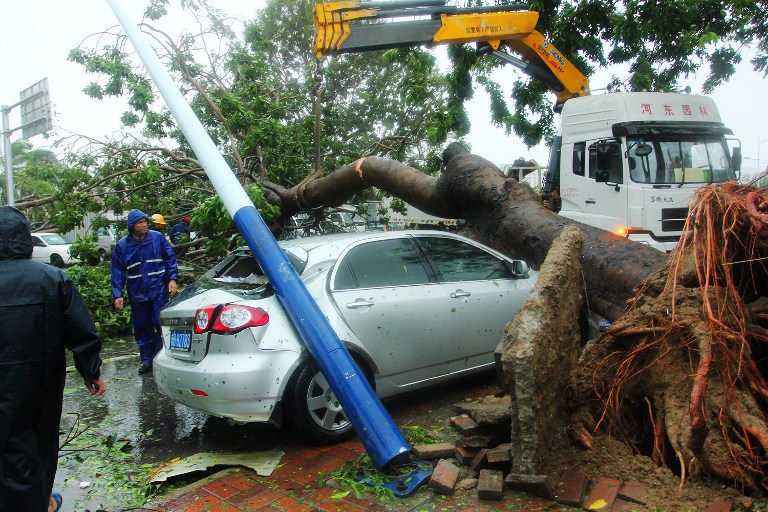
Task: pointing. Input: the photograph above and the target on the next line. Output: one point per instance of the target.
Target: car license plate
(181, 340)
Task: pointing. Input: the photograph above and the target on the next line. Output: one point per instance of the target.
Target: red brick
(573, 485)
(329, 467)
(623, 506)
(480, 461)
(501, 453)
(197, 502)
(240, 480)
(464, 456)
(444, 477)
(490, 484)
(478, 441)
(222, 507)
(318, 459)
(343, 453)
(306, 452)
(355, 445)
(433, 451)
(301, 477)
(338, 506)
(718, 506)
(246, 494)
(190, 501)
(604, 489)
(634, 492)
(290, 504)
(363, 504)
(536, 485)
(221, 489)
(262, 500)
(465, 425)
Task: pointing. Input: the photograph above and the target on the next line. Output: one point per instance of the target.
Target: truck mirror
(736, 159)
(643, 150)
(603, 155)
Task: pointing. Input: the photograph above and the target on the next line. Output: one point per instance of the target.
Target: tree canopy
(253, 85)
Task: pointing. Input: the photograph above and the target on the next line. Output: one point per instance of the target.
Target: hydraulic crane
(358, 26)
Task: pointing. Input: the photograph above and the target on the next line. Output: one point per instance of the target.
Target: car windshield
(677, 160)
(54, 239)
(241, 271)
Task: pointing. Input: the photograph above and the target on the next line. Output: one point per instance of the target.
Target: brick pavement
(303, 482)
(303, 479)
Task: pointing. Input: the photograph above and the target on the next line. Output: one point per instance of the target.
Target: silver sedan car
(414, 309)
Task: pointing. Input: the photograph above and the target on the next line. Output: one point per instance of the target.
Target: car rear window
(241, 270)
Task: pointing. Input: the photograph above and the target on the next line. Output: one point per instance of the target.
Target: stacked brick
(480, 459)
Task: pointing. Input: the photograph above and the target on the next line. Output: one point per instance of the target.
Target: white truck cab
(629, 162)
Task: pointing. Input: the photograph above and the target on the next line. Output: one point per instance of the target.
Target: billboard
(36, 115)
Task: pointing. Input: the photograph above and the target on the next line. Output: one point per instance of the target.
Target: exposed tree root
(692, 348)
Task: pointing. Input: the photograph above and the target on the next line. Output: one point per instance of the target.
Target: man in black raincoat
(41, 314)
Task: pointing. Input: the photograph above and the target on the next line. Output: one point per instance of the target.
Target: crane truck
(626, 162)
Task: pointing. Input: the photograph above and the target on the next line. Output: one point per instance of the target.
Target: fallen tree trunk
(499, 212)
(686, 366)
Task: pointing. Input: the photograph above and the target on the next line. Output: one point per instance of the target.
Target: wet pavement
(132, 429)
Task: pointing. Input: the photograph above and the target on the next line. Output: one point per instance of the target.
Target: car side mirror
(519, 268)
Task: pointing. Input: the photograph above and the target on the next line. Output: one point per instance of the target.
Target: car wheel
(57, 261)
(318, 414)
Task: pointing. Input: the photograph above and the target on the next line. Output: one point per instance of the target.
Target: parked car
(414, 309)
(106, 239)
(51, 248)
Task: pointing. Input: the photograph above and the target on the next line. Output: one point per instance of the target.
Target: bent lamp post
(384, 442)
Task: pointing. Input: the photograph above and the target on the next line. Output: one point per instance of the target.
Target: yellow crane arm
(358, 26)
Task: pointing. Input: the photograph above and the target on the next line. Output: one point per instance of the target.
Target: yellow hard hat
(158, 219)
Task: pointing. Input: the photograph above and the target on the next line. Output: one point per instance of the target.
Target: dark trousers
(146, 328)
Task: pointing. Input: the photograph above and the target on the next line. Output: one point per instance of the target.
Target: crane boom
(358, 26)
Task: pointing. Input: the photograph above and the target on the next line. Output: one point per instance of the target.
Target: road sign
(36, 115)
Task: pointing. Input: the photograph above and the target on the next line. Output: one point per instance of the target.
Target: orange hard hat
(158, 219)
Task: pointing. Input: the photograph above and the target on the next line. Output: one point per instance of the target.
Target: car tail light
(228, 319)
(203, 318)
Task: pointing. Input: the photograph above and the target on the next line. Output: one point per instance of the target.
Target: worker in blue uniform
(144, 263)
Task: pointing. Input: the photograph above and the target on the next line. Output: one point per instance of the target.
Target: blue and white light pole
(381, 437)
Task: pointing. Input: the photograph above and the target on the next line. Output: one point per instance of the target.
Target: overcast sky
(37, 35)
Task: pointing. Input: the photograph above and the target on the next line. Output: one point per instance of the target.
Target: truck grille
(673, 219)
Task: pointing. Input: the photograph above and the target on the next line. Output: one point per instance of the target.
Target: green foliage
(361, 477)
(254, 94)
(98, 448)
(85, 249)
(215, 223)
(94, 284)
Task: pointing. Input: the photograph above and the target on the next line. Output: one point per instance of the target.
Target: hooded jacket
(144, 266)
(41, 314)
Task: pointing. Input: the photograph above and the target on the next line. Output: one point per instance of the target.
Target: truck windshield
(675, 160)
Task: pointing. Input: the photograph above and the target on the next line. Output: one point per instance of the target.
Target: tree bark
(498, 211)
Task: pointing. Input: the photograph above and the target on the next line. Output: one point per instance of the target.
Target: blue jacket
(145, 265)
(176, 232)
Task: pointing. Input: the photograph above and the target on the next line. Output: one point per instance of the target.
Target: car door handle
(590, 201)
(459, 294)
(359, 304)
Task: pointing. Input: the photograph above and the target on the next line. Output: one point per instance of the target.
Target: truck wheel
(318, 415)
(57, 261)
(102, 255)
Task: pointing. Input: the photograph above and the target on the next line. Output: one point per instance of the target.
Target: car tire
(57, 260)
(317, 413)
